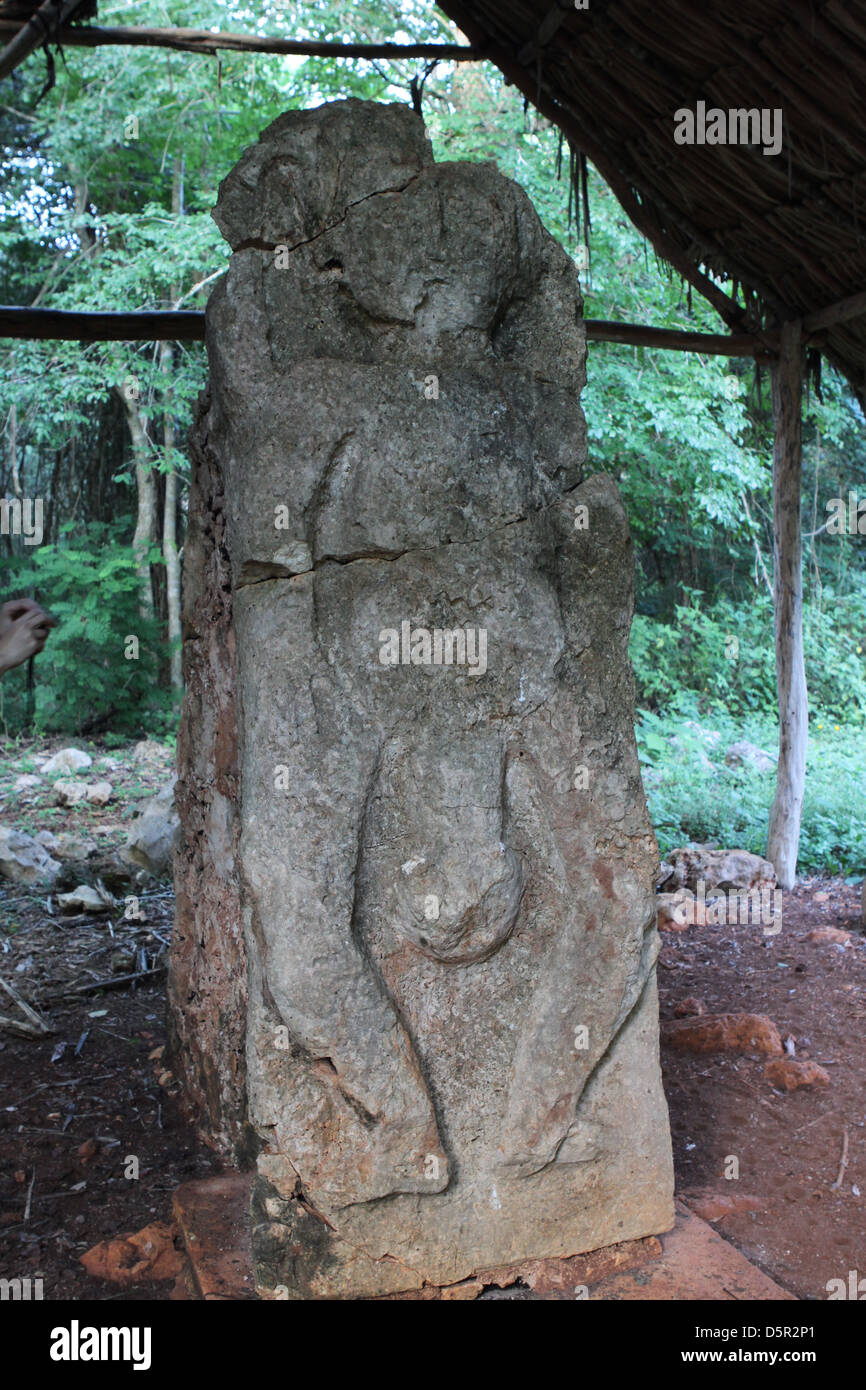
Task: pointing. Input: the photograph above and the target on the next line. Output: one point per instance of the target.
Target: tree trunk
(784, 833)
(169, 532)
(13, 449)
(86, 234)
(169, 516)
(145, 522)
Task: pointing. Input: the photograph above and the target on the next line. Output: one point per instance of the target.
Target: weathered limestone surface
(445, 871)
(207, 988)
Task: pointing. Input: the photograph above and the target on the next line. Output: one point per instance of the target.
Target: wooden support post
(787, 379)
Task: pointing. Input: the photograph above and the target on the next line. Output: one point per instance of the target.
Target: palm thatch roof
(789, 229)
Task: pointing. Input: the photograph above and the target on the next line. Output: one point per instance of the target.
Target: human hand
(24, 628)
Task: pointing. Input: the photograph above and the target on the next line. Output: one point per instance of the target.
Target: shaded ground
(76, 1105)
(107, 1098)
(789, 1146)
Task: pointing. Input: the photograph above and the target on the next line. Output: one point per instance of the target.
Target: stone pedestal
(437, 837)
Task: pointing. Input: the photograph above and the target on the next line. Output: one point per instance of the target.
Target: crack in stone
(258, 244)
(389, 556)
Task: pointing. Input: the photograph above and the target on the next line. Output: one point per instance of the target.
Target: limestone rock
(69, 793)
(153, 834)
(749, 1033)
(139, 1257)
(787, 1074)
(710, 738)
(150, 753)
(27, 782)
(84, 898)
(67, 845)
(726, 869)
(748, 753)
(829, 936)
(690, 1007)
(99, 793)
(67, 760)
(443, 858)
(24, 860)
(207, 982)
(680, 910)
(695, 743)
(713, 1206)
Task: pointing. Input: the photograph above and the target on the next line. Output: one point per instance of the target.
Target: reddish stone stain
(553, 1119)
(604, 874)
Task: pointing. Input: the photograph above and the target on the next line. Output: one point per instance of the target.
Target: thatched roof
(790, 228)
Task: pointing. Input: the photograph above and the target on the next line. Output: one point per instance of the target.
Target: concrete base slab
(692, 1263)
(696, 1264)
(213, 1217)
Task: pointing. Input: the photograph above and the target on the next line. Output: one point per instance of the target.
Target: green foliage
(83, 679)
(723, 652)
(692, 653)
(694, 797)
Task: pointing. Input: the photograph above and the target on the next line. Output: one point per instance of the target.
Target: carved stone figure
(443, 857)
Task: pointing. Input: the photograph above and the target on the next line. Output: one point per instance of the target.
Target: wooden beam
(174, 326)
(842, 312)
(70, 325)
(41, 25)
(719, 344)
(204, 41)
(787, 380)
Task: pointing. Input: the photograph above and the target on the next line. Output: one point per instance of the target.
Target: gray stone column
(441, 855)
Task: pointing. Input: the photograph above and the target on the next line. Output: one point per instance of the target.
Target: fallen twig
(52, 1085)
(29, 1196)
(34, 1028)
(843, 1162)
(23, 1030)
(112, 982)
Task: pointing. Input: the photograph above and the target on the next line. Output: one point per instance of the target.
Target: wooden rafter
(841, 312)
(677, 340)
(205, 41)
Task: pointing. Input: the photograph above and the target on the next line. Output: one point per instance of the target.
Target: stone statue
(443, 858)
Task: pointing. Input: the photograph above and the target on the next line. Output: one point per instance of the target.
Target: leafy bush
(697, 653)
(83, 679)
(694, 796)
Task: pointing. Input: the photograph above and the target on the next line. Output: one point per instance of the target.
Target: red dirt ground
(789, 1146)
